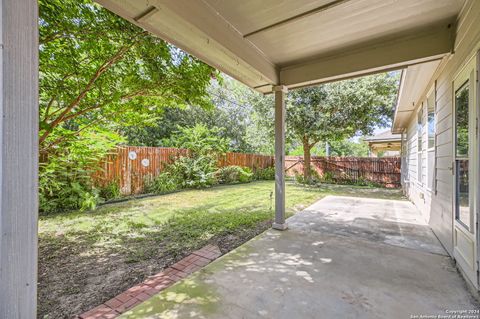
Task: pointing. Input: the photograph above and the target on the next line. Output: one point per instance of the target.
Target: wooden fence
(384, 171)
(129, 166)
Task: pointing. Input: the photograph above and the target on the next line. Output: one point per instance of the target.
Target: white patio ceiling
(302, 42)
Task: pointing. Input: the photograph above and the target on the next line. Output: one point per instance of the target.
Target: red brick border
(154, 284)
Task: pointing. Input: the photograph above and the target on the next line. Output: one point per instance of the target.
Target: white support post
(280, 94)
(18, 158)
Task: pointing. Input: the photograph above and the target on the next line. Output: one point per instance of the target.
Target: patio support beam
(280, 96)
(18, 158)
(417, 46)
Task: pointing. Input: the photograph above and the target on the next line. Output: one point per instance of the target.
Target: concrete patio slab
(394, 222)
(341, 258)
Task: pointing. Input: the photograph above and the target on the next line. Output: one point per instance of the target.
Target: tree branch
(102, 69)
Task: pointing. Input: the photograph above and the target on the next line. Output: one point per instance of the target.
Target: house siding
(436, 204)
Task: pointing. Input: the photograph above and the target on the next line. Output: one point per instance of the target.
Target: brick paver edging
(154, 284)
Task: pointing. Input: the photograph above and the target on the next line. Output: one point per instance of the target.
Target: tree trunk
(306, 161)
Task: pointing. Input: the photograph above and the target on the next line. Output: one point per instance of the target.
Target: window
(420, 128)
(420, 144)
(462, 203)
(431, 120)
(431, 140)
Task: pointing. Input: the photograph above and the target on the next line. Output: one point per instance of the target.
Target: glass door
(462, 163)
(465, 181)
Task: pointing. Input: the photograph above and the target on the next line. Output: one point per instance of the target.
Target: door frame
(465, 241)
(477, 165)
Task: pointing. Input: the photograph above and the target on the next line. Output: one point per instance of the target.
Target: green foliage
(97, 67)
(110, 191)
(195, 172)
(200, 140)
(315, 178)
(243, 113)
(264, 174)
(246, 175)
(329, 177)
(204, 147)
(244, 116)
(234, 174)
(339, 110)
(348, 148)
(344, 148)
(165, 182)
(65, 177)
(198, 168)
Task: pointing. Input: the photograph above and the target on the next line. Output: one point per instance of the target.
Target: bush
(165, 182)
(328, 177)
(265, 174)
(198, 168)
(194, 172)
(246, 175)
(234, 174)
(314, 177)
(110, 191)
(65, 173)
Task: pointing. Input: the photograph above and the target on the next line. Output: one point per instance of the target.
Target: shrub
(328, 177)
(234, 174)
(194, 172)
(199, 167)
(265, 173)
(163, 183)
(110, 191)
(65, 173)
(246, 175)
(314, 177)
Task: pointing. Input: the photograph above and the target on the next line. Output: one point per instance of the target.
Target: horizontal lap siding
(439, 203)
(412, 159)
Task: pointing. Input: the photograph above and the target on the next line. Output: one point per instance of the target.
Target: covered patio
(271, 46)
(343, 257)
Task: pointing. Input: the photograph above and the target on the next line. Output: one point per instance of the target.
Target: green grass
(183, 220)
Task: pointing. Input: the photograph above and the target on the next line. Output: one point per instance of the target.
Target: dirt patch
(74, 278)
(229, 242)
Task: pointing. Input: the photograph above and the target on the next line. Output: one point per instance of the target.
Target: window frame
(431, 173)
(420, 147)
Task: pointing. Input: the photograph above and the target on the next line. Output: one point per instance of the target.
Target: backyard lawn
(86, 258)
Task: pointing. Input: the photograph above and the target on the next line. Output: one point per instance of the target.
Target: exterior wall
(436, 203)
(415, 180)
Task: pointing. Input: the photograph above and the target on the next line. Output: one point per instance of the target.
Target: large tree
(339, 110)
(96, 67)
